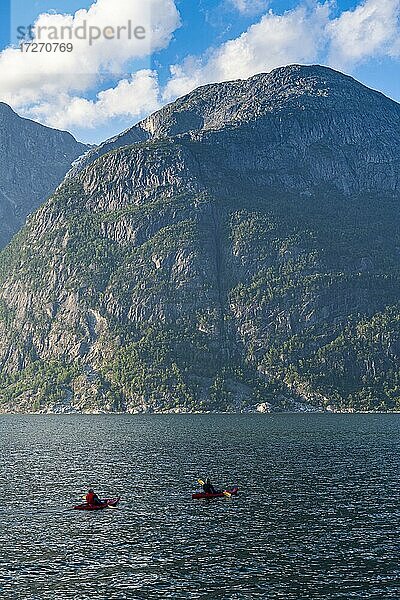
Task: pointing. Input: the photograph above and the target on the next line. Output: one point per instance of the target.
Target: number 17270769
(35, 47)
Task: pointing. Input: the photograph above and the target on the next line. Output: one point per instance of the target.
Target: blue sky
(95, 95)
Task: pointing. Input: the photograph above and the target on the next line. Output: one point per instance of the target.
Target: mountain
(262, 101)
(34, 160)
(245, 255)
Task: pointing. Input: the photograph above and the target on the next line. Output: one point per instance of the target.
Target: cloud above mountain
(309, 33)
(48, 84)
(111, 79)
(131, 98)
(276, 40)
(371, 29)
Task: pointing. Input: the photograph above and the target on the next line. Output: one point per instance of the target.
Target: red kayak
(106, 503)
(223, 494)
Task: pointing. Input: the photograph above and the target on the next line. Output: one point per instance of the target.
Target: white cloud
(276, 40)
(43, 78)
(250, 6)
(131, 98)
(371, 29)
(55, 87)
(306, 34)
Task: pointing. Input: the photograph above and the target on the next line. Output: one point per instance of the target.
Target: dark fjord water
(317, 516)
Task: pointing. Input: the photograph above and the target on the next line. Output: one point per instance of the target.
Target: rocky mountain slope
(245, 255)
(264, 100)
(33, 161)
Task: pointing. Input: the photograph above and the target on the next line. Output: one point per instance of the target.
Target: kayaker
(208, 487)
(92, 498)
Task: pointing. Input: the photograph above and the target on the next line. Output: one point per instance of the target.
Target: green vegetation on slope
(211, 300)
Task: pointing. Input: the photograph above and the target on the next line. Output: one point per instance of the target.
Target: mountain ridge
(35, 159)
(170, 119)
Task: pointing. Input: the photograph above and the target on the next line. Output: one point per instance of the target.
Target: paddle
(227, 494)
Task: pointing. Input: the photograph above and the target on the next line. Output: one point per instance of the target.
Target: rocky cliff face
(242, 252)
(279, 109)
(34, 160)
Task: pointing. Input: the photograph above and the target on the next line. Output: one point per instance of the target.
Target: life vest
(90, 498)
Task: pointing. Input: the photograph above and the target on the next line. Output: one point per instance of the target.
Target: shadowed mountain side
(34, 160)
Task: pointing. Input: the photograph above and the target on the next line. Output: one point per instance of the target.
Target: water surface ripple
(317, 515)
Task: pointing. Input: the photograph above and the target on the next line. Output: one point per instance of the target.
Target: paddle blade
(200, 482)
(227, 494)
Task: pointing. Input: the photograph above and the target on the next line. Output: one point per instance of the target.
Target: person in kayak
(92, 498)
(208, 487)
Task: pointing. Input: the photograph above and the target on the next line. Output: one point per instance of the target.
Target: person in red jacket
(92, 498)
